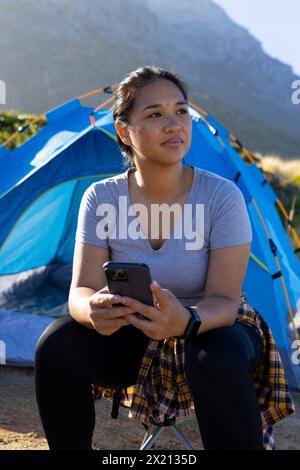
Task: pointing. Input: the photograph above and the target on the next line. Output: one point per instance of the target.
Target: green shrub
(11, 121)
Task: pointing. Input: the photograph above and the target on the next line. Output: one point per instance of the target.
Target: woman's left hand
(168, 318)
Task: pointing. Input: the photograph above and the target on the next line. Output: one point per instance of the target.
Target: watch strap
(193, 324)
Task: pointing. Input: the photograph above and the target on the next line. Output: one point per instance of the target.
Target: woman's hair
(125, 94)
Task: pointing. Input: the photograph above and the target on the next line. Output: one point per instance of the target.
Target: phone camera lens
(119, 275)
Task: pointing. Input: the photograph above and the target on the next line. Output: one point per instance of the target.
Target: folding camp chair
(153, 431)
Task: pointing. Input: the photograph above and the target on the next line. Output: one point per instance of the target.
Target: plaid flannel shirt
(162, 390)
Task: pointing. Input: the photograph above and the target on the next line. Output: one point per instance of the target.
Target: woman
(223, 369)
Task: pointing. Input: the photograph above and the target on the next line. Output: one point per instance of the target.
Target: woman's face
(159, 113)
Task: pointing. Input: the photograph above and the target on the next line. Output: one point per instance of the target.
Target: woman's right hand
(105, 318)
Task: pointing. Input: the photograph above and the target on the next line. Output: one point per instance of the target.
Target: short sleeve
(230, 222)
(87, 221)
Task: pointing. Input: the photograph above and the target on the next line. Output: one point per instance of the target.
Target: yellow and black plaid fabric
(162, 390)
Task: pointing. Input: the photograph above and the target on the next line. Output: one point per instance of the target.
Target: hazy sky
(276, 23)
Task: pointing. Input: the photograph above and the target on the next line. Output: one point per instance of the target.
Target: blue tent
(40, 190)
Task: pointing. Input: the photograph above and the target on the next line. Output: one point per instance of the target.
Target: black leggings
(218, 365)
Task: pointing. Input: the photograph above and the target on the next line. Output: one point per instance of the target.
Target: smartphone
(130, 280)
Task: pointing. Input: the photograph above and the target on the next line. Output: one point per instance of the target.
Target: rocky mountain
(53, 50)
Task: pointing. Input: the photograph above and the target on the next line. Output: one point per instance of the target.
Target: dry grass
(285, 170)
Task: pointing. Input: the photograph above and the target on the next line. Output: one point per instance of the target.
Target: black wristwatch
(193, 325)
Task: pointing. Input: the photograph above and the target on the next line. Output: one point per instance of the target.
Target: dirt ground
(20, 426)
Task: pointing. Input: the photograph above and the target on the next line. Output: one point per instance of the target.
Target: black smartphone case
(137, 284)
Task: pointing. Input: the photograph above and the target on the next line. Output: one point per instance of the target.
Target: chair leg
(181, 437)
(153, 431)
(150, 437)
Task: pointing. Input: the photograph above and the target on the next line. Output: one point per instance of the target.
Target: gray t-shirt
(217, 214)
